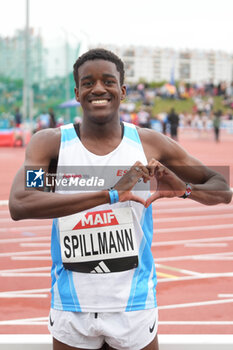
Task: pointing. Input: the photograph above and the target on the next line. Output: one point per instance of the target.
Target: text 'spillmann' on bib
(99, 241)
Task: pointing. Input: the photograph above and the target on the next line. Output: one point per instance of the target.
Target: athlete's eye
(87, 83)
(109, 82)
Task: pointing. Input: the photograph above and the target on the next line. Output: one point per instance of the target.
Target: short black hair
(99, 54)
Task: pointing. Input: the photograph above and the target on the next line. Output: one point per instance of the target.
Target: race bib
(99, 241)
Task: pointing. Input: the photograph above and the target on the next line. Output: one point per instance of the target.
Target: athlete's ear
(123, 92)
(76, 91)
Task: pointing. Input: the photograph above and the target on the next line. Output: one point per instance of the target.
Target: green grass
(162, 105)
(218, 104)
(180, 106)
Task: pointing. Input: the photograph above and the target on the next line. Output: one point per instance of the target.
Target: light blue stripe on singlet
(151, 297)
(138, 298)
(62, 279)
(131, 133)
(68, 134)
(55, 298)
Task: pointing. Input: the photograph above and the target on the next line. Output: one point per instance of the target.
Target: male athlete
(103, 273)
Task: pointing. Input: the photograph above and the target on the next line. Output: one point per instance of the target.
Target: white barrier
(25, 342)
(166, 342)
(196, 342)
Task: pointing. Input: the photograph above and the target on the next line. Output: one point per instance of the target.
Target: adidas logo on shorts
(101, 268)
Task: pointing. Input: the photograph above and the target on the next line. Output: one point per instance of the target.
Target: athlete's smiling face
(99, 90)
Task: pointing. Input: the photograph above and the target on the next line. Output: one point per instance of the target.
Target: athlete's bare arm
(208, 186)
(177, 168)
(25, 204)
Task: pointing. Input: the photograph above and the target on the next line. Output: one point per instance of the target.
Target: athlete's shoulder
(158, 145)
(152, 137)
(45, 141)
(146, 133)
(47, 136)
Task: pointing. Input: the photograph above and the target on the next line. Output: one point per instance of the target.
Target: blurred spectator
(52, 119)
(141, 90)
(173, 120)
(143, 118)
(125, 116)
(204, 121)
(60, 122)
(44, 121)
(18, 137)
(197, 123)
(17, 118)
(187, 119)
(230, 116)
(134, 118)
(77, 119)
(216, 124)
(163, 119)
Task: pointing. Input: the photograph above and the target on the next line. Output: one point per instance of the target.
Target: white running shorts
(131, 330)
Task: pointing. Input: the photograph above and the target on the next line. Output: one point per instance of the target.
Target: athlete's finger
(160, 171)
(141, 170)
(138, 199)
(151, 166)
(152, 198)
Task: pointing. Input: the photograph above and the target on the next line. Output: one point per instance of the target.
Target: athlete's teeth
(99, 101)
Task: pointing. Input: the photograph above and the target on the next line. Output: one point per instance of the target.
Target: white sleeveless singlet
(102, 260)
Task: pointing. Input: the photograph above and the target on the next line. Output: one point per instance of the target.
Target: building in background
(12, 55)
(55, 60)
(150, 64)
(161, 64)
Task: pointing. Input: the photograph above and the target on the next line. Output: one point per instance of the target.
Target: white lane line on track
(31, 272)
(25, 239)
(194, 218)
(196, 323)
(4, 213)
(225, 295)
(203, 276)
(31, 252)
(27, 269)
(38, 321)
(29, 293)
(35, 244)
(31, 221)
(175, 201)
(26, 274)
(202, 209)
(218, 258)
(192, 257)
(195, 304)
(190, 241)
(186, 272)
(23, 296)
(206, 245)
(193, 228)
(26, 228)
(32, 258)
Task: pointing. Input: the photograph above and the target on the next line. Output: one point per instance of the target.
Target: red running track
(193, 250)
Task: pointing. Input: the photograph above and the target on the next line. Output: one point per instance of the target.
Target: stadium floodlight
(27, 110)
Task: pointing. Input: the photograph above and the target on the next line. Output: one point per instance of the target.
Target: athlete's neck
(109, 130)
